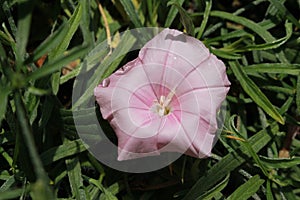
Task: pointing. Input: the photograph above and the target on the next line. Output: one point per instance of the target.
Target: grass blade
(273, 68)
(246, 190)
(7, 184)
(185, 19)
(43, 190)
(49, 44)
(72, 26)
(75, 179)
(10, 18)
(227, 164)
(24, 8)
(106, 194)
(298, 94)
(5, 91)
(283, 163)
(280, 7)
(172, 13)
(131, 12)
(215, 190)
(58, 63)
(208, 5)
(109, 64)
(261, 31)
(255, 93)
(12, 194)
(62, 151)
(269, 194)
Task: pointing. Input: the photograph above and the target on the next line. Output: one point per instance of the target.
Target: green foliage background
(42, 157)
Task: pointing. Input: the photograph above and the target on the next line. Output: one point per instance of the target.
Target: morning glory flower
(167, 99)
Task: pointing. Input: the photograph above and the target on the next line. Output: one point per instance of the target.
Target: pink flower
(166, 100)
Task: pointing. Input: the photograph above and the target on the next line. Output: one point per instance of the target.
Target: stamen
(162, 107)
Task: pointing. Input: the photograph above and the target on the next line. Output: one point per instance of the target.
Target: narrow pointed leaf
(271, 68)
(280, 162)
(282, 9)
(208, 5)
(49, 44)
(75, 179)
(172, 14)
(24, 8)
(246, 190)
(228, 163)
(298, 94)
(72, 27)
(185, 19)
(255, 93)
(3, 99)
(62, 151)
(218, 188)
(260, 30)
(132, 13)
(58, 63)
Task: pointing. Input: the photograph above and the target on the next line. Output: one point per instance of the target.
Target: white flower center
(162, 106)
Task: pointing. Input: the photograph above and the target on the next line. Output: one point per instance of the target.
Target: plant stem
(42, 182)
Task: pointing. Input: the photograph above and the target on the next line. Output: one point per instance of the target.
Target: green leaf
(252, 4)
(277, 89)
(71, 27)
(280, 162)
(288, 193)
(58, 63)
(246, 190)
(62, 151)
(7, 40)
(49, 44)
(298, 94)
(260, 30)
(273, 68)
(269, 194)
(246, 144)
(215, 190)
(12, 194)
(107, 195)
(132, 13)
(70, 75)
(230, 35)
(6, 156)
(75, 179)
(254, 92)
(25, 12)
(268, 45)
(5, 91)
(88, 36)
(47, 111)
(208, 5)
(115, 188)
(10, 18)
(7, 184)
(43, 191)
(228, 163)
(172, 13)
(225, 54)
(282, 9)
(108, 64)
(185, 19)
(152, 10)
(37, 91)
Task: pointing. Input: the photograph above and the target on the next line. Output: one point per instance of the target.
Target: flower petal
(179, 70)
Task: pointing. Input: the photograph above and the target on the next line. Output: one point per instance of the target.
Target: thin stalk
(42, 189)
